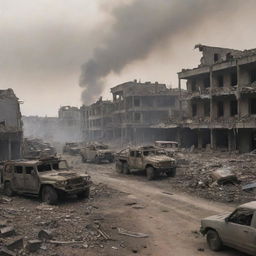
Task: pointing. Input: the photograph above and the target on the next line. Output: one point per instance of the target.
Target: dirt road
(172, 219)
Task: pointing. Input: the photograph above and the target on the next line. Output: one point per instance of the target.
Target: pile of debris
(218, 176)
(36, 148)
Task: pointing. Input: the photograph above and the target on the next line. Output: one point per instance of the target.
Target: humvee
(71, 148)
(97, 153)
(150, 159)
(170, 147)
(48, 178)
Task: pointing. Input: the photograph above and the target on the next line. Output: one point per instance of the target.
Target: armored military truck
(149, 158)
(97, 153)
(48, 178)
(71, 148)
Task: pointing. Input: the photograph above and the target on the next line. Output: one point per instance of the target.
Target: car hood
(218, 217)
(159, 158)
(60, 176)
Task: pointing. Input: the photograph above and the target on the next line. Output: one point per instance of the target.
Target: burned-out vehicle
(171, 147)
(150, 159)
(71, 148)
(48, 178)
(236, 229)
(36, 148)
(97, 153)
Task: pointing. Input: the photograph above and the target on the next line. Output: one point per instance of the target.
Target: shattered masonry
(221, 100)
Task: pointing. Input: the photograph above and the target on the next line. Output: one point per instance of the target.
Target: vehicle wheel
(49, 195)
(150, 171)
(171, 172)
(126, 169)
(119, 167)
(84, 194)
(8, 189)
(213, 240)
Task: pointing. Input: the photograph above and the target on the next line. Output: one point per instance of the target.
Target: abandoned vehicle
(48, 178)
(169, 146)
(71, 148)
(97, 153)
(236, 229)
(150, 159)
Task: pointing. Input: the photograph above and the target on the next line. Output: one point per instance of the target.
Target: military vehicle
(71, 148)
(171, 147)
(49, 178)
(97, 153)
(149, 158)
(236, 229)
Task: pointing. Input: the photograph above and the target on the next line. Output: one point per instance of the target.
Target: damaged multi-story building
(139, 108)
(11, 134)
(221, 100)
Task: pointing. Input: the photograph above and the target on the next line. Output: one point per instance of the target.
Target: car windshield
(44, 167)
(60, 165)
(101, 147)
(149, 152)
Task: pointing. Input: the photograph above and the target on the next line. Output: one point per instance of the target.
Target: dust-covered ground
(168, 211)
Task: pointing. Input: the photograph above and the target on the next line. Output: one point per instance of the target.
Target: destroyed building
(97, 121)
(139, 107)
(221, 99)
(10, 126)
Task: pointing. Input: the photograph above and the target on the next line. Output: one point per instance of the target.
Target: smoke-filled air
(138, 27)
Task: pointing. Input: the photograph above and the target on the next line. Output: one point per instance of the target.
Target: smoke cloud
(138, 28)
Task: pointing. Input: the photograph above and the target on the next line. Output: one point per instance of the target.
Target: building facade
(221, 100)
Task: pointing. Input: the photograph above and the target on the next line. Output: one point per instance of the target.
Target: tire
(126, 169)
(171, 172)
(213, 240)
(8, 191)
(151, 173)
(84, 194)
(49, 195)
(119, 167)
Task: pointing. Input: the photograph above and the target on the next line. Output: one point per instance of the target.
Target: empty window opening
(193, 85)
(220, 81)
(137, 116)
(233, 79)
(220, 109)
(136, 102)
(233, 107)
(18, 169)
(194, 109)
(252, 106)
(216, 57)
(207, 82)
(29, 169)
(132, 153)
(242, 217)
(253, 75)
(207, 109)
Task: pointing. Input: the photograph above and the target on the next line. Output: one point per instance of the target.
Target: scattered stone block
(5, 252)
(15, 244)
(45, 234)
(7, 231)
(33, 245)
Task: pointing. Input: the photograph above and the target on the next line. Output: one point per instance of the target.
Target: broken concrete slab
(33, 245)
(15, 244)
(5, 252)
(45, 234)
(7, 231)
(249, 186)
(224, 175)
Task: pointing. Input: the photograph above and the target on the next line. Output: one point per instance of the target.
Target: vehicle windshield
(101, 147)
(153, 152)
(60, 165)
(167, 145)
(46, 167)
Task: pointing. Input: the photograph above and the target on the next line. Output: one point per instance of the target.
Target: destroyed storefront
(10, 126)
(222, 99)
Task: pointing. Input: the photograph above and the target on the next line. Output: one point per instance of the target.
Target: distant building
(11, 134)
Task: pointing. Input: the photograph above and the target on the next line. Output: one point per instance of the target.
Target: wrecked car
(97, 153)
(150, 159)
(236, 229)
(49, 178)
(169, 146)
(71, 148)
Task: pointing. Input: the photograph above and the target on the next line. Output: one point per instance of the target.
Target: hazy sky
(44, 43)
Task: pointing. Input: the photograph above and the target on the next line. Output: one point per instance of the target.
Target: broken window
(216, 57)
(29, 169)
(18, 169)
(194, 109)
(193, 85)
(206, 109)
(220, 109)
(252, 106)
(253, 75)
(207, 82)
(136, 102)
(132, 153)
(220, 81)
(233, 107)
(44, 168)
(138, 154)
(137, 116)
(233, 79)
(242, 217)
